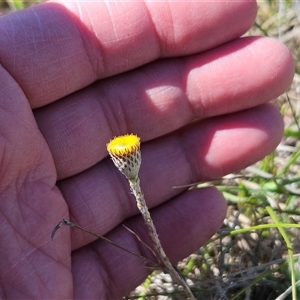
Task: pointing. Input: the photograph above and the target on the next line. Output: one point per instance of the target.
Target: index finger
(56, 48)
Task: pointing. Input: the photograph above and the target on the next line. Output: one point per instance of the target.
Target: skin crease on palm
(75, 74)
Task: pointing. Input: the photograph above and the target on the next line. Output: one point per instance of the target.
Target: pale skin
(74, 75)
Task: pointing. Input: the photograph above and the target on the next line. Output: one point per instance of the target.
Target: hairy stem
(142, 206)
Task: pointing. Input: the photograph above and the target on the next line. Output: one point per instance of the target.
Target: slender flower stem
(125, 153)
(142, 206)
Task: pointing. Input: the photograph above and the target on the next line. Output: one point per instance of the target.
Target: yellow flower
(125, 153)
(124, 145)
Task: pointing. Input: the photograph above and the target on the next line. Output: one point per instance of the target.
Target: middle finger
(161, 97)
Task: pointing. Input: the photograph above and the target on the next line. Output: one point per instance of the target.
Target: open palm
(72, 76)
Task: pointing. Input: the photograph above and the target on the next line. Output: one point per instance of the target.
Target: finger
(30, 205)
(105, 272)
(163, 97)
(99, 198)
(57, 48)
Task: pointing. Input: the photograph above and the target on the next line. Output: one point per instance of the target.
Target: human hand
(75, 74)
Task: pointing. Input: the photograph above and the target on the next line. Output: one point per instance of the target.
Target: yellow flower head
(125, 153)
(124, 145)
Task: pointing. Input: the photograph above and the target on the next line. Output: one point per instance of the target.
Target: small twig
(145, 244)
(71, 224)
(63, 222)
